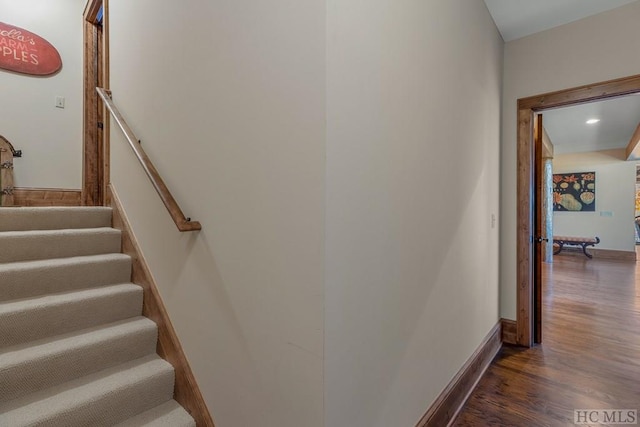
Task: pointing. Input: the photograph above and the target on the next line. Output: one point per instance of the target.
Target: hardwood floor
(589, 358)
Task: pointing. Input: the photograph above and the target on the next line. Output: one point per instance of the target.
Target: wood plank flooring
(589, 358)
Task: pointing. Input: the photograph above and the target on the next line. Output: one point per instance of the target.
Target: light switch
(606, 213)
(59, 101)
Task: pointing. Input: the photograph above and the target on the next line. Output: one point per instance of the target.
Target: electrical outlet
(59, 101)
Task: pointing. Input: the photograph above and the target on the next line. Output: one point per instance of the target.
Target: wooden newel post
(6, 172)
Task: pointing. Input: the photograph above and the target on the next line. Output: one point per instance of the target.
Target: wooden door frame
(95, 151)
(527, 107)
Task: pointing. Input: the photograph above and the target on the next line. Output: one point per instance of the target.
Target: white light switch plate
(59, 101)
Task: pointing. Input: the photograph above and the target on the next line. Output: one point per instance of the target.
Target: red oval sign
(27, 53)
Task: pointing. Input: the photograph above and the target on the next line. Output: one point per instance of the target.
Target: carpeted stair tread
(32, 278)
(43, 244)
(74, 348)
(169, 414)
(36, 318)
(54, 218)
(105, 398)
(28, 367)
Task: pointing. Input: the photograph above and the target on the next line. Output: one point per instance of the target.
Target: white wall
(413, 104)
(615, 194)
(51, 138)
(587, 51)
(228, 98)
(238, 103)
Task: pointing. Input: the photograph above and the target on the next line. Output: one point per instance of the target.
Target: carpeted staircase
(74, 348)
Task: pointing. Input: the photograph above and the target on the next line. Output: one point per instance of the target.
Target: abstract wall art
(574, 192)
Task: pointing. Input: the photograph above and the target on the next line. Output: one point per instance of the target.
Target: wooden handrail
(183, 223)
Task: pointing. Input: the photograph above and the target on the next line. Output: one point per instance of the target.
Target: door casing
(95, 152)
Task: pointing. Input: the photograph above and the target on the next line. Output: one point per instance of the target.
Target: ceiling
(519, 18)
(569, 132)
(566, 126)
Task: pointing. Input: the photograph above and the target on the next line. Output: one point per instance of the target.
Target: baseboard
(187, 393)
(447, 405)
(509, 331)
(613, 254)
(599, 253)
(23, 196)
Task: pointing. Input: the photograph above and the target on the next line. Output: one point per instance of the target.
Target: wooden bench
(583, 242)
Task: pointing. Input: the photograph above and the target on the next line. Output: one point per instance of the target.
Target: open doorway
(593, 182)
(95, 175)
(590, 180)
(528, 235)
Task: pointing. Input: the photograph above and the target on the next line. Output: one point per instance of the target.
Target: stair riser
(28, 246)
(55, 218)
(71, 360)
(24, 325)
(20, 280)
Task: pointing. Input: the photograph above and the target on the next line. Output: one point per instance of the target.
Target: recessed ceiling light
(592, 121)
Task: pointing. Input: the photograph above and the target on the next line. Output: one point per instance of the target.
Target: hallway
(590, 358)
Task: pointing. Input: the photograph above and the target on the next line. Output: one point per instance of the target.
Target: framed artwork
(574, 192)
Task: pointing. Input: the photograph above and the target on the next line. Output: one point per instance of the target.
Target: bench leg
(560, 245)
(584, 249)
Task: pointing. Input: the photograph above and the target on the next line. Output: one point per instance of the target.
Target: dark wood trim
(187, 392)
(509, 331)
(90, 152)
(96, 63)
(525, 183)
(447, 405)
(46, 197)
(91, 10)
(525, 229)
(183, 223)
(582, 94)
(104, 81)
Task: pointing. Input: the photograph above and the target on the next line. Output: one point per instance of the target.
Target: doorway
(95, 165)
(528, 269)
